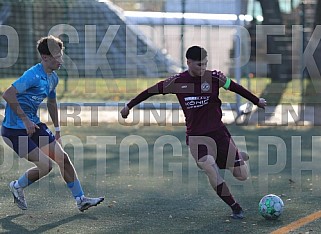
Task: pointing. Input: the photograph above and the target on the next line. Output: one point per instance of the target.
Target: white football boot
(83, 203)
(18, 196)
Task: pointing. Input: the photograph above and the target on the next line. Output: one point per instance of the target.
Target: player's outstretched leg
(82, 202)
(207, 163)
(237, 211)
(69, 174)
(43, 166)
(241, 173)
(224, 193)
(18, 195)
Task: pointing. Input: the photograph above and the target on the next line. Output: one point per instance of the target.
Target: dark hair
(49, 45)
(196, 53)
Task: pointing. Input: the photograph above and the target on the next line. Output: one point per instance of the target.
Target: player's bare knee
(241, 178)
(206, 162)
(240, 173)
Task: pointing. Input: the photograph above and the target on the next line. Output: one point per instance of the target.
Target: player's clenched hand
(220, 76)
(262, 103)
(30, 126)
(125, 112)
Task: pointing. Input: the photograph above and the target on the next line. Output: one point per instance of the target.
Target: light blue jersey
(33, 87)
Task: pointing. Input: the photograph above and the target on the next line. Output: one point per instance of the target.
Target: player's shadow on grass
(9, 226)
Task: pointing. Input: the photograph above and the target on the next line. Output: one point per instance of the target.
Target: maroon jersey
(198, 97)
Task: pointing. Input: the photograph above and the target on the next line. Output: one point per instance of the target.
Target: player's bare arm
(10, 96)
(53, 112)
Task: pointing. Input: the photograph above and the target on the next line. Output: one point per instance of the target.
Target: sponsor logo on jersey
(205, 86)
(196, 102)
(36, 98)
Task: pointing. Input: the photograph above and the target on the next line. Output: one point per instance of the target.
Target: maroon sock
(236, 207)
(224, 193)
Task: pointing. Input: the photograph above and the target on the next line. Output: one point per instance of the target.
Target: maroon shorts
(218, 144)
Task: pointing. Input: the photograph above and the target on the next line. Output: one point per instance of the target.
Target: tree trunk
(272, 16)
(317, 53)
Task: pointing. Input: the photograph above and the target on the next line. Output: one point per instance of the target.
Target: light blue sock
(75, 188)
(23, 181)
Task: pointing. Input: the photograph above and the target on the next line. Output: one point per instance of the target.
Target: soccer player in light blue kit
(31, 139)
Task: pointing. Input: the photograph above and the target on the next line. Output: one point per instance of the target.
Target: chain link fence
(102, 40)
(98, 42)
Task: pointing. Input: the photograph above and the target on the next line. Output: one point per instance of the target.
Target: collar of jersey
(42, 70)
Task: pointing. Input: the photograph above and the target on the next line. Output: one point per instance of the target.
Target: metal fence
(98, 42)
(103, 40)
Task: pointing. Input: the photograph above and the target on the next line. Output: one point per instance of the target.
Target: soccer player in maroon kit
(211, 144)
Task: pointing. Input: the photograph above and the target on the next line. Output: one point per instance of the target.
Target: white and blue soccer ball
(271, 206)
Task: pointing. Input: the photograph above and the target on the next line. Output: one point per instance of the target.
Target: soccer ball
(271, 206)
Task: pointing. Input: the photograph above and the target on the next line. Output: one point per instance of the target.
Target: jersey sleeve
(163, 87)
(229, 84)
(169, 85)
(239, 89)
(52, 94)
(26, 81)
(147, 93)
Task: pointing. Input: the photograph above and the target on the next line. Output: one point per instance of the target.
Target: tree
(273, 16)
(317, 21)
